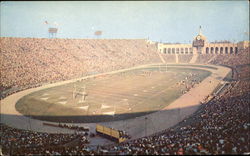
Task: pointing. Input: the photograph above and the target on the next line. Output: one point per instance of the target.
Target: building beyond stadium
(201, 46)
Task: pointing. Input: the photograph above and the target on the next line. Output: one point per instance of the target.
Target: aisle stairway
(176, 58)
(162, 59)
(194, 58)
(211, 59)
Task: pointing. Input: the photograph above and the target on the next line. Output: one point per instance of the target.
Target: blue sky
(166, 21)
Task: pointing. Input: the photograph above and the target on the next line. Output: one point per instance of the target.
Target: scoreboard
(52, 30)
(198, 43)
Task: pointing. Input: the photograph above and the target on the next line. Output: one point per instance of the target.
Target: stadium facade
(200, 45)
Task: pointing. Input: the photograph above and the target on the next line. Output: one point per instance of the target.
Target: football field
(111, 97)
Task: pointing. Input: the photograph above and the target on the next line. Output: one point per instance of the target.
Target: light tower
(52, 32)
(52, 29)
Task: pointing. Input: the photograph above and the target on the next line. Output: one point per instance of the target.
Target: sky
(161, 21)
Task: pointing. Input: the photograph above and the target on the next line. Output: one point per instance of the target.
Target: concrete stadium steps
(194, 58)
(176, 58)
(162, 59)
(211, 59)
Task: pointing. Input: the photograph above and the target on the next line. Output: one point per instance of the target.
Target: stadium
(123, 96)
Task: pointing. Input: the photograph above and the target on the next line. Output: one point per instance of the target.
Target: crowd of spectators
(238, 62)
(220, 126)
(169, 58)
(205, 58)
(185, 58)
(124, 134)
(17, 141)
(243, 71)
(233, 60)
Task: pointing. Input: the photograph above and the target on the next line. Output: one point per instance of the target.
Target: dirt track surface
(181, 108)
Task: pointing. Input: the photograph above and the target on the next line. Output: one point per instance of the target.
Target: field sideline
(170, 115)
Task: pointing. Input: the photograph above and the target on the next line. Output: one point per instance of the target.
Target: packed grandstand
(220, 126)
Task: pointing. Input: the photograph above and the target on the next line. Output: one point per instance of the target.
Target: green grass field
(111, 97)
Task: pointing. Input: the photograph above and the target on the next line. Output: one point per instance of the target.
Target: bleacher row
(221, 126)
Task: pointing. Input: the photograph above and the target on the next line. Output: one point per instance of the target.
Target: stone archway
(190, 50)
(221, 50)
(226, 50)
(186, 50)
(207, 50)
(236, 50)
(173, 50)
(216, 50)
(231, 50)
(182, 51)
(211, 50)
(169, 50)
(177, 50)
